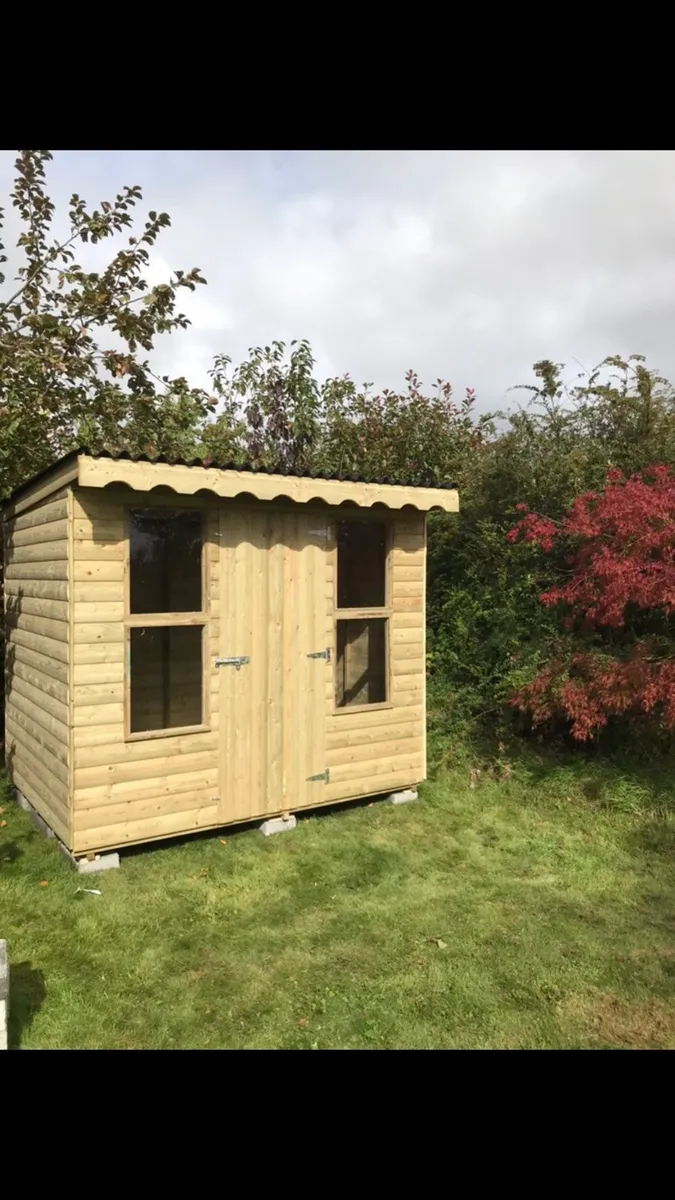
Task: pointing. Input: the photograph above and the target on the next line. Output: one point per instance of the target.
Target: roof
(231, 480)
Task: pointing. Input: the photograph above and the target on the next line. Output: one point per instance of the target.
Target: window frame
(166, 620)
(384, 612)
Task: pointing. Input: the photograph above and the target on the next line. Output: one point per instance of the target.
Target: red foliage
(623, 554)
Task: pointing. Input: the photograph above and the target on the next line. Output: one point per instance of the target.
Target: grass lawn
(533, 912)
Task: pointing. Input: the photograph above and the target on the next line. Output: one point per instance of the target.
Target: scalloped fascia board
(228, 484)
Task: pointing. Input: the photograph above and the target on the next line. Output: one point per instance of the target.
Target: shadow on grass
(655, 837)
(139, 849)
(27, 992)
(628, 767)
(9, 852)
(621, 781)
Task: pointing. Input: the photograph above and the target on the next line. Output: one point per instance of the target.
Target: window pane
(165, 550)
(166, 677)
(361, 670)
(362, 553)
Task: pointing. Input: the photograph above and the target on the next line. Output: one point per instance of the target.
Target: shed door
(272, 709)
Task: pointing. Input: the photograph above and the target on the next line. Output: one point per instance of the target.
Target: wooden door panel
(273, 568)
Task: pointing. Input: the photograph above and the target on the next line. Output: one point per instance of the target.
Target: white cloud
(466, 265)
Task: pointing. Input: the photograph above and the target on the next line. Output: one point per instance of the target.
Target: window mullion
(134, 620)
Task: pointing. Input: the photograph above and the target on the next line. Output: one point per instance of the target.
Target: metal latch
(324, 777)
(239, 661)
(320, 654)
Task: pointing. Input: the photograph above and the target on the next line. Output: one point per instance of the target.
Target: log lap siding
(37, 641)
(385, 749)
(103, 774)
(130, 791)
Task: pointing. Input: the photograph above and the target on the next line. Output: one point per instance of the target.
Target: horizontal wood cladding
(371, 783)
(31, 668)
(376, 770)
(129, 791)
(38, 589)
(379, 752)
(147, 829)
(54, 610)
(43, 627)
(66, 715)
(37, 652)
(46, 751)
(40, 535)
(29, 686)
(384, 748)
(43, 571)
(143, 807)
(111, 750)
(43, 515)
(51, 487)
(29, 650)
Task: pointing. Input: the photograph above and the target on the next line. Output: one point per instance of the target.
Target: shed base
(277, 825)
(39, 823)
(403, 797)
(83, 866)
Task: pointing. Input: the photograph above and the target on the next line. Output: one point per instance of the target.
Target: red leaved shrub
(621, 565)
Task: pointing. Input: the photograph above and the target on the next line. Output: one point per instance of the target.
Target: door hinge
(320, 654)
(324, 777)
(238, 661)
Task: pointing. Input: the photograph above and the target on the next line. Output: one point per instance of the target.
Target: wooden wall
(385, 749)
(130, 791)
(65, 595)
(37, 652)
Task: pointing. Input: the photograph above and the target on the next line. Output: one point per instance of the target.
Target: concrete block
(102, 862)
(403, 797)
(277, 825)
(66, 853)
(4, 995)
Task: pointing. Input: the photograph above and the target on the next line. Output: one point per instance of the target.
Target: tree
(488, 632)
(71, 341)
(618, 596)
(269, 409)
(275, 414)
(408, 434)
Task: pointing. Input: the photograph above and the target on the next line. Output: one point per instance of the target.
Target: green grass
(532, 912)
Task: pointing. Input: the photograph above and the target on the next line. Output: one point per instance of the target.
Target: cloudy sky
(469, 265)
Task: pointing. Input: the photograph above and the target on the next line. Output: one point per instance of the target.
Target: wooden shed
(188, 647)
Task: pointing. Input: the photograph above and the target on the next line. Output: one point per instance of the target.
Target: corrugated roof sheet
(345, 477)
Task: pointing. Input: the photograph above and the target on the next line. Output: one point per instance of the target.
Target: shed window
(361, 662)
(362, 556)
(362, 614)
(166, 622)
(165, 556)
(166, 671)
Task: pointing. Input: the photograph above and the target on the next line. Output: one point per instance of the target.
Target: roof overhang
(92, 471)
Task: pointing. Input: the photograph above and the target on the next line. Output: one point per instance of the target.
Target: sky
(465, 265)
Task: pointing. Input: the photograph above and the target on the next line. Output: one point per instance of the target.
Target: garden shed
(188, 647)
